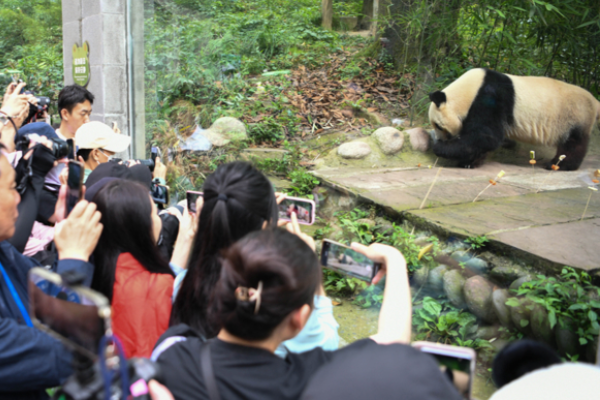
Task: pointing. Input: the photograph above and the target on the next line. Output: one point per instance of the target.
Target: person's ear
(94, 154)
(64, 114)
(265, 225)
(299, 318)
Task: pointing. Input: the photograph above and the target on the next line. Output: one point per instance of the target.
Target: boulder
(567, 341)
(499, 298)
(487, 332)
(477, 265)
(518, 282)
(436, 278)
(520, 315)
(383, 227)
(420, 276)
(540, 326)
(389, 139)
(419, 139)
(231, 129)
(366, 221)
(453, 283)
(336, 233)
(354, 150)
(215, 138)
(478, 295)
(505, 274)
(462, 256)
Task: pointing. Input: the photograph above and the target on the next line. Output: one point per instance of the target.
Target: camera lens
(60, 148)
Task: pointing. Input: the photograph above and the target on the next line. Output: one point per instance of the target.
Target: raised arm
(395, 317)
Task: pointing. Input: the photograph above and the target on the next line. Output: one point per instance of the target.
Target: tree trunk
(364, 21)
(327, 13)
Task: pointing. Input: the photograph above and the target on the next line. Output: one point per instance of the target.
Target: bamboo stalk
(430, 188)
(586, 206)
(480, 193)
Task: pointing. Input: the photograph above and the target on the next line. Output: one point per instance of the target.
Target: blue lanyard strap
(16, 297)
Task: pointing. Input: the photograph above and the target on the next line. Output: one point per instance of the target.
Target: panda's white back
(546, 109)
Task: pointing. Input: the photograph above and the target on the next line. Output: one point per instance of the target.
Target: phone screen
(154, 153)
(457, 366)
(304, 209)
(66, 313)
(71, 145)
(343, 259)
(74, 185)
(192, 197)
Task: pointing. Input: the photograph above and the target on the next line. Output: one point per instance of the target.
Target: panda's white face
(445, 122)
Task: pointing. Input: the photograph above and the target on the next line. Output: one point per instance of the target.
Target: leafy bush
(303, 183)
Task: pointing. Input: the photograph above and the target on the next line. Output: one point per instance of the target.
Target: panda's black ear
(438, 97)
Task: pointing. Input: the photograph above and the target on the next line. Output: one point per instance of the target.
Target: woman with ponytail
(238, 199)
(265, 297)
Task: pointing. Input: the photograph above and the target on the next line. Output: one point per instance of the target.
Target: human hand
(294, 227)
(280, 197)
(388, 256)
(61, 204)
(77, 236)
(15, 104)
(188, 224)
(160, 169)
(158, 391)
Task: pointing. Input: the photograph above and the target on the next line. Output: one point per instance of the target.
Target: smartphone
(343, 259)
(71, 145)
(456, 363)
(304, 209)
(75, 315)
(192, 197)
(74, 185)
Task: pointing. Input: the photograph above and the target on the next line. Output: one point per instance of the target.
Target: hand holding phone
(304, 209)
(348, 261)
(456, 363)
(74, 185)
(192, 198)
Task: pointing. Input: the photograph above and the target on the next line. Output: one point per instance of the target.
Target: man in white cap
(97, 143)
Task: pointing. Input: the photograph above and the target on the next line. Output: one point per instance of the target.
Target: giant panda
(483, 108)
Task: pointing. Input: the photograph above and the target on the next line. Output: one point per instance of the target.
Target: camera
(60, 148)
(37, 111)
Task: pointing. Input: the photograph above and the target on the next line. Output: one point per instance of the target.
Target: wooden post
(375, 17)
(327, 13)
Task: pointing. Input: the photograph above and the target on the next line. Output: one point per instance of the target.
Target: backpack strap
(207, 372)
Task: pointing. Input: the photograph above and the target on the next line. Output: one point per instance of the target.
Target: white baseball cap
(96, 135)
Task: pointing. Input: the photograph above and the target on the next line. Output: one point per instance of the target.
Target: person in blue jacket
(30, 360)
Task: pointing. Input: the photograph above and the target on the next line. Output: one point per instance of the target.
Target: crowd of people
(227, 301)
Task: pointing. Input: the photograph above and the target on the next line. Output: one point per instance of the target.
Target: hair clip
(250, 294)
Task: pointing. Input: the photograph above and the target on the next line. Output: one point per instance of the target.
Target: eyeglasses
(109, 158)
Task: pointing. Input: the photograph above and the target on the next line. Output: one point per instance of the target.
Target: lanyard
(16, 297)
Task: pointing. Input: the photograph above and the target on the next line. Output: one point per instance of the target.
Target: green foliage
(441, 322)
(336, 283)
(477, 242)
(371, 296)
(303, 183)
(570, 299)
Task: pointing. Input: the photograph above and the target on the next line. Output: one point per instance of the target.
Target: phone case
(300, 220)
(323, 258)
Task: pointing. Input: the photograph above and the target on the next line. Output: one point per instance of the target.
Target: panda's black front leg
(469, 150)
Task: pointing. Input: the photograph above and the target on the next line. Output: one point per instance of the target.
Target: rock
(478, 295)
(336, 233)
(389, 139)
(453, 283)
(567, 341)
(419, 139)
(366, 221)
(517, 283)
(477, 265)
(422, 241)
(420, 276)
(487, 332)
(499, 298)
(540, 326)
(231, 129)
(521, 314)
(436, 277)
(354, 150)
(505, 274)
(462, 256)
(383, 226)
(215, 138)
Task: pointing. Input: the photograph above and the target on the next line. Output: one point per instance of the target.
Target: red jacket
(141, 306)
